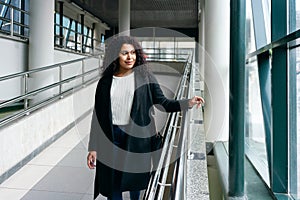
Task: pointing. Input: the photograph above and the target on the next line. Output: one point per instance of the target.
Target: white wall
(14, 58)
(21, 138)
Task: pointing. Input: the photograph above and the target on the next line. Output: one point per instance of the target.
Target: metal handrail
(25, 75)
(160, 176)
(167, 54)
(44, 68)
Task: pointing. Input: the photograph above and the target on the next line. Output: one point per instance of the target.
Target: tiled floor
(57, 173)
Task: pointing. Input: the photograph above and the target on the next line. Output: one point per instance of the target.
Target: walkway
(60, 172)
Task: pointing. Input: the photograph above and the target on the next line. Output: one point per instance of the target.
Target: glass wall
(14, 18)
(255, 141)
(273, 68)
(298, 120)
(69, 35)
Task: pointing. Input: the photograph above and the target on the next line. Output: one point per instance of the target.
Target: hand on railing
(196, 100)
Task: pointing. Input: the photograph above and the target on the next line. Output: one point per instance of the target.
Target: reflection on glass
(255, 133)
(297, 14)
(255, 141)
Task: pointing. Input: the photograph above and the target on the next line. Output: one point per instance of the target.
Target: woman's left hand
(196, 100)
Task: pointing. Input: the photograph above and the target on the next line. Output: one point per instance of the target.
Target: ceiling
(175, 14)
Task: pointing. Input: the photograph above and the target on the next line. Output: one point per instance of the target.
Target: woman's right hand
(91, 159)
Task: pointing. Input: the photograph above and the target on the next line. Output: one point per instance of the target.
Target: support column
(237, 99)
(124, 17)
(216, 70)
(279, 91)
(41, 43)
(201, 43)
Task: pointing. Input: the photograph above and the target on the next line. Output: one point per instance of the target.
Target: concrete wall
(20, 139)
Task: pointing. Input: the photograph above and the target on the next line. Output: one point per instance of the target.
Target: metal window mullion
(264, 72)
(92, 35)
(279, 96)
(61, 23)
(11, 21)
(292, 121)
(22, 16)
(82, 33)
(76, 35)
(292, 103)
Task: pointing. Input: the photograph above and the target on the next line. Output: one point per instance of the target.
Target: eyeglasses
(124, 53)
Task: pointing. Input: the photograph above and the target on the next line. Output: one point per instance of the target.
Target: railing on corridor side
(85, 76)
(170, 173)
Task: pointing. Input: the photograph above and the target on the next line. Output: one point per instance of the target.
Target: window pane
(255, 141)
(295, 156)
(250, 41)
(255, 132)
(298, 119)
(297, 14)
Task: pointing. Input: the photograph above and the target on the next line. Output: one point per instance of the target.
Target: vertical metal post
(264, 71)
(92, 36)
(293, 103)
(237, 99)
(60, 79)
(11, 21)
(61, 23)
(82, 33)
(76, 34)
(82, 71)
(174, 51)
(22, 17)
(25, 90)
(279, 81)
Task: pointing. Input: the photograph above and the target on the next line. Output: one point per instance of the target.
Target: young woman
(122, 123)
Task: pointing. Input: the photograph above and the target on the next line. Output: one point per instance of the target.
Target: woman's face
(127, 57)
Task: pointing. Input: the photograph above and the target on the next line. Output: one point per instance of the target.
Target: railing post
(82, 72)
(25, 90)
(60, 79)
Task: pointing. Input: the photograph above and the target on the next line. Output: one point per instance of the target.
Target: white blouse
(121, 95)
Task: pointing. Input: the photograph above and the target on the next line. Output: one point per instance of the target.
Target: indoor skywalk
(55, 167)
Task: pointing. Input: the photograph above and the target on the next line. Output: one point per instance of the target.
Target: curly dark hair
(111, 58)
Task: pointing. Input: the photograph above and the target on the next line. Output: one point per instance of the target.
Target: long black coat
(134, 161)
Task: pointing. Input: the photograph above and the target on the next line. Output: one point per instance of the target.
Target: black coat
(134, 162)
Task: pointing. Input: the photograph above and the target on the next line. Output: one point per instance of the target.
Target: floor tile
(11, 193)
(66, 179)
(45, 195)
(26, 177)
(76, 158)
(68, 140)
(50, 156)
